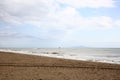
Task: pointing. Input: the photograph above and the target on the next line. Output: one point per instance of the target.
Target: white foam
(67, 55)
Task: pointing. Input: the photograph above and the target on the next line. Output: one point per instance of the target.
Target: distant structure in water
(59, 49)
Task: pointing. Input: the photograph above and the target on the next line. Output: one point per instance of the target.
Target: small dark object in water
(55, 53)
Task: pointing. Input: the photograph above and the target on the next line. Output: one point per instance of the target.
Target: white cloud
(117, 23)
(100, 22)
(19, 11)
(6, 17)
(54, 21)
(7, 34)
(69, 18)
(88, 3)
(48, 13)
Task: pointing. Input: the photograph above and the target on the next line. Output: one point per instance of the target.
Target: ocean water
(106, 55)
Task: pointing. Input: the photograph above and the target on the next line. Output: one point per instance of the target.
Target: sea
(105, 55)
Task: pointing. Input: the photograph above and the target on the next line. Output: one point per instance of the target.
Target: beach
(15, 66)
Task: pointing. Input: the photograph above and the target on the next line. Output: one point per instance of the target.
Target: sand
(14, 66)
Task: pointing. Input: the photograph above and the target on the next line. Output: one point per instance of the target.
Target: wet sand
(14, 66)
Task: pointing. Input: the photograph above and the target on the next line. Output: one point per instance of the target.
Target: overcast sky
(54, 23)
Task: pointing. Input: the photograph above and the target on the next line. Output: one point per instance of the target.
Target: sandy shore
(28, 67)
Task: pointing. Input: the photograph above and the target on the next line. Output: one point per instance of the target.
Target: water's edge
(95, 55)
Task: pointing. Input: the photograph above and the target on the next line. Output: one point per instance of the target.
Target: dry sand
(28, 67)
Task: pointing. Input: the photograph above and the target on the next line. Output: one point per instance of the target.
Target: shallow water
(107, 55)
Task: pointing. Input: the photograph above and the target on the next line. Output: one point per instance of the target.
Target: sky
(59, 23)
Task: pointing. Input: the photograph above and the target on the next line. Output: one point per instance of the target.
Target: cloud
(55, 20)
(7, 34)
(17, 11)
(51, 15)
(88, 3)
(117, 23)
(101, 22)
(69, 18)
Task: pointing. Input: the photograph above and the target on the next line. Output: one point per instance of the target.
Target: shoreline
(46, 54)
(15, 66)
